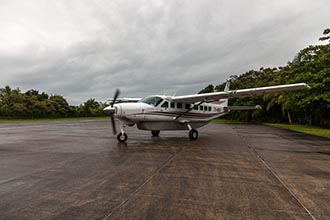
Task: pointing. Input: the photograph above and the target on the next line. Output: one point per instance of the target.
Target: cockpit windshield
(152, 100)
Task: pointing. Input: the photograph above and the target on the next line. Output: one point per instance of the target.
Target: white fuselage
(168, 115)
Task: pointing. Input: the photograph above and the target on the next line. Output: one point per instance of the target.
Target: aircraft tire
(155, 133)
(122, 138)
(193, 134)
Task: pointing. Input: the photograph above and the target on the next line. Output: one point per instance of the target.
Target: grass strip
(227, 121)
(318, 131)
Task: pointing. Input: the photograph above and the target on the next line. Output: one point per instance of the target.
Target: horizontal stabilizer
(238, 108)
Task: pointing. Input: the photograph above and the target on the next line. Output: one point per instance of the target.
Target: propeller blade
(112, 114)
(117, 92)
(113, 123)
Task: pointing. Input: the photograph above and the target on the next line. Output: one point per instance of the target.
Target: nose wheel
(122, 137)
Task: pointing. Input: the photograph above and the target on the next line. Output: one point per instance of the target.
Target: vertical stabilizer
(226, 90)
(227, 86)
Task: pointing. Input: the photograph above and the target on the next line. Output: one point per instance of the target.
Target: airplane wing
(121, 100)
(210, 97)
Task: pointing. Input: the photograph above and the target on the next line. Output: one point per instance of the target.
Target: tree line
(311, 107)
(311, 65)
(33, 104)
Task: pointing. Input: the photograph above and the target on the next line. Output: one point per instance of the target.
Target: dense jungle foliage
(311, 107)
(32, 104)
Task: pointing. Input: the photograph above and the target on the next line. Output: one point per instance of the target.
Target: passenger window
(179, 105)
(172, 105)
(195, 107)
(187, 106)
(165, 105)
(205, 108)
(210, 109)
(201, 107)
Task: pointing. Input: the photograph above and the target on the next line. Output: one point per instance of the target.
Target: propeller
(117, 92)
(113, 123)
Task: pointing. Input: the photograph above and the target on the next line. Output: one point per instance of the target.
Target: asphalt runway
(77, 170)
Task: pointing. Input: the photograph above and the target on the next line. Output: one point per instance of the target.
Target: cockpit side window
(152, 100)
(165, 105)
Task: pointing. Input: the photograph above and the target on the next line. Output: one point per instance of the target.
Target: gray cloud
(85, 49)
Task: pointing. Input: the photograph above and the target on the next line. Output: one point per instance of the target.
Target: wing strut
(183, 113)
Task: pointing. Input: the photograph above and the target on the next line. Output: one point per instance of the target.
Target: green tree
(93, 108)
(60, 105)
(33, 104)
(326, 36)
(207, 89)
(311, 65)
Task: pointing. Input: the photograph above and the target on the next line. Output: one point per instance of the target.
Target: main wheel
(122, 137)
(155, 133)
(193, 134)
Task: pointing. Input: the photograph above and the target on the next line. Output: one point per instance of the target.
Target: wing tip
(305, 85)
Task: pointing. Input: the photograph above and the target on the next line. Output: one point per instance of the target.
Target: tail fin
(227, 86)
(226, 90)
(223, 102)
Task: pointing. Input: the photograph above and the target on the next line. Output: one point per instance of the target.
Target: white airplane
(189, 112)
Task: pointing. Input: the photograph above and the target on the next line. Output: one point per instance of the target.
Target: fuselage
(160, 113)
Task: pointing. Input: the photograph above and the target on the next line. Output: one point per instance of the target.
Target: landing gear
(122, 137)
(193, 134)
(155, 133)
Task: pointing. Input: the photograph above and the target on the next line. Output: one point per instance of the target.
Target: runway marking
(279, 179)
(166, 162)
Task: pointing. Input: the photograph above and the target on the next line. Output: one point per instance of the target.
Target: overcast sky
(85, 49)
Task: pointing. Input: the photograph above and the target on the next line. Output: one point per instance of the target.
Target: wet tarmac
(77, 170)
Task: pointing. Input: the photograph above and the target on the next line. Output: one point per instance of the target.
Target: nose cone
(109, 110)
